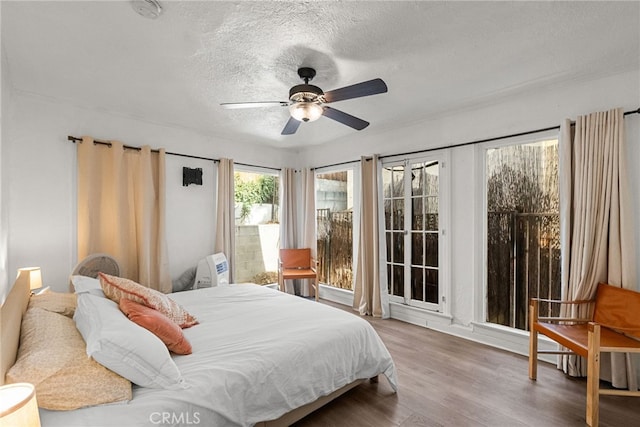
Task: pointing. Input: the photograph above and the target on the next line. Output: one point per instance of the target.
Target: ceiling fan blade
(371, 87)
(344, 118)
(291, 127)
(238, 105)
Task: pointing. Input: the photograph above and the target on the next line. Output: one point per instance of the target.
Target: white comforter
(257, 354)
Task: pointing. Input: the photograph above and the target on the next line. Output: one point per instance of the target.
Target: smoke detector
(148, 8)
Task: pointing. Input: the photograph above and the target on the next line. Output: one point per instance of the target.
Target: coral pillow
(116, 288)
(157, 323)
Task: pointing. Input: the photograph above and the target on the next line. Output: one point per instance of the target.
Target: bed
(260, 357)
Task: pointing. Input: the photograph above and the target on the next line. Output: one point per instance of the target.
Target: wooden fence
(335, 248)
(523, 261)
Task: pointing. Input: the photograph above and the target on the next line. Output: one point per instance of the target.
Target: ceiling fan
(308, 102)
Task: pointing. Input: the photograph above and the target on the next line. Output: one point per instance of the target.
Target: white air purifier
(212, 271)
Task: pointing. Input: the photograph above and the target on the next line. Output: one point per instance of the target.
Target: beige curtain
(121, 209)
(288, 211)
(596, 224)
(308, 216)
(288, 216)
(225, 214)
(370, 286)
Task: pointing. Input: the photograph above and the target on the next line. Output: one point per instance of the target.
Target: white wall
(526, 111)
(191, 213)
(522, 112)
(5, 95)
(42, 182)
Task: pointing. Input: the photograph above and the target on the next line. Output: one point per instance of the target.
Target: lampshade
(305, 111)
(18, 405)
(35, 276)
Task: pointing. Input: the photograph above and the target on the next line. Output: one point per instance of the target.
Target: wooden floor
(449, 381)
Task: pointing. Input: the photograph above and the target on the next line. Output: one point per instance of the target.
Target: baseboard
(337, 295)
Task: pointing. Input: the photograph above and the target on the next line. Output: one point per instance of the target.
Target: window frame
(481, 287)
(355, 168)
(258, 171)
(443, 157)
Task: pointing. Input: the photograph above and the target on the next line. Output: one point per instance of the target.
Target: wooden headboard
(10, 321)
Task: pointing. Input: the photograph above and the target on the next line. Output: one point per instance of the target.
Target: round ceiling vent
(148, 8)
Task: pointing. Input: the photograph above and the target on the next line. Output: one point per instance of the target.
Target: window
(257, 227)
(523, 229)
(334, 207)
(414, 228)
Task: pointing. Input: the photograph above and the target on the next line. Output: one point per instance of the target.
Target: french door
(413, 231)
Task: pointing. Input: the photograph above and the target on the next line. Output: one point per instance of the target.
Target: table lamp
(18, 405)
(35, 276)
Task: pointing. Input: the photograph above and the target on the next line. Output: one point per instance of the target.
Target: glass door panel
(410, 194)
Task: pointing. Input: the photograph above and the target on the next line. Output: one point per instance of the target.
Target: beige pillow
(56, 302)
(52, 356)
(118, 287)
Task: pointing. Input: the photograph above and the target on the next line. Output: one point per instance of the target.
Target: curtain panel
(596, 228)
(308, 216)
(288, 217)
(370, 296)
(288, 211)
(121, 209)
(225, 240)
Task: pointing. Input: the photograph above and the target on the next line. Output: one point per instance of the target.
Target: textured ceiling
(434, 56)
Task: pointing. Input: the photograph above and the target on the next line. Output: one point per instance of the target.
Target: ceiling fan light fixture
(307, 102)
(306, 111)
(150, 9)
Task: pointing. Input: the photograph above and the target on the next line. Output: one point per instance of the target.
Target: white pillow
(124, 347)
(84, 284)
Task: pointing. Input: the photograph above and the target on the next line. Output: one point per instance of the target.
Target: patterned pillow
(116, 288)
(158, 324)
(52, 356)
(55, 302)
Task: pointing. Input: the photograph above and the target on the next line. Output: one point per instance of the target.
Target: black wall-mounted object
(191, 176)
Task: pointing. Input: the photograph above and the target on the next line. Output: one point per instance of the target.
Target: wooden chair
(297, 264)
(614, 327)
